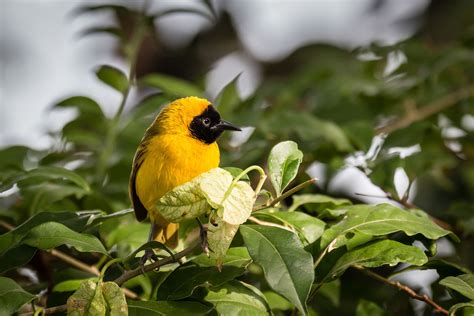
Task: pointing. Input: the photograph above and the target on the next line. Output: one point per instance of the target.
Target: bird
(178, 146)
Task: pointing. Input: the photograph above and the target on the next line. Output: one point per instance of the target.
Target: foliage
(273, 249)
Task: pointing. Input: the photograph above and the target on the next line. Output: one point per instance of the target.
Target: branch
(47, 311)
(418, 114)
(155, 265)
(424, 298)
(280, 198)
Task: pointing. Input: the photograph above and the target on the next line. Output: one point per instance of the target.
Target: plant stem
(414, 115)
(136, 272)
(280, 198)
(424, 298)
(48, 311)
(111, 136)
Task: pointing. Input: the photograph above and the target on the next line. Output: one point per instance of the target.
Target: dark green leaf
(367, 308)
(149, 245)
(12, 296)
(51, 234)
(186, 278)
(469, 306)
(86, 106)
(113, 77)
(172, 86)
(237, 298)
(200, 12)
(16, 257)
(283, 163)
(278, 302)
(228, 98)
(159, 308)
(287, 266)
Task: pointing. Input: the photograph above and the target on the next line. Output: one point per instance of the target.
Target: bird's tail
(167, 233)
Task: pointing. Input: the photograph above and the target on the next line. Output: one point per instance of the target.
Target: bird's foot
(203, 237)
(149, 255)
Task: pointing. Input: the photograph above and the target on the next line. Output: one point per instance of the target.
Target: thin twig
(418, 114)
(73, 262)
(280, 198)
(155, 265)
(424, 298)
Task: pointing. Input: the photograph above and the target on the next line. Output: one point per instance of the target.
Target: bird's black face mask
(208, 126)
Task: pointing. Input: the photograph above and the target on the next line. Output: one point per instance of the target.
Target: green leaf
(72, 220)
(71, 285)
(236, 172)
(228, 98)
(172, 86)
(149, 245)
(378, 220)
(460, 306)
(219, 237)
(182, 282)
(320, 204)
(86, 106)
(12, 296)
(236, 256)
(16, 257)
(87, 300)
(51, 234)
(181, 308)
(367, 308)
(112, 77)
(283, 163)
(234, 204)
(47, 173)
(378, 253)
(463, 284)
(310, 228)
(236, 298)
(288, 268)
(115, 299)
(103, 217)
(276, 301)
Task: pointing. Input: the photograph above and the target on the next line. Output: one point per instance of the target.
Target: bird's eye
(206, 121)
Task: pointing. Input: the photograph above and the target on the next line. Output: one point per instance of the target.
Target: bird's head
(194, 117)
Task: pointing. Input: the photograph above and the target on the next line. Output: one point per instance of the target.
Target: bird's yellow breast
(171, 160)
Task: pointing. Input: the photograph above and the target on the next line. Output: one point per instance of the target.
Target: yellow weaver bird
(179, 145)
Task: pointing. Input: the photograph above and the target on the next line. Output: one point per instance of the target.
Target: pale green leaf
(184, 201)
(219, 237)
(283, 163)
(87, 301)
(71, 285)
(115, 299)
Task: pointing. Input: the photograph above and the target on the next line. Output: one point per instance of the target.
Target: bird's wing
(140, 210)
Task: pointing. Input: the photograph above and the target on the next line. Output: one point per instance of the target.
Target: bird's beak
(224, 125)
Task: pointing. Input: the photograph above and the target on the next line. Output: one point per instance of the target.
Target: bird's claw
(204, 243)
(149, 255)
